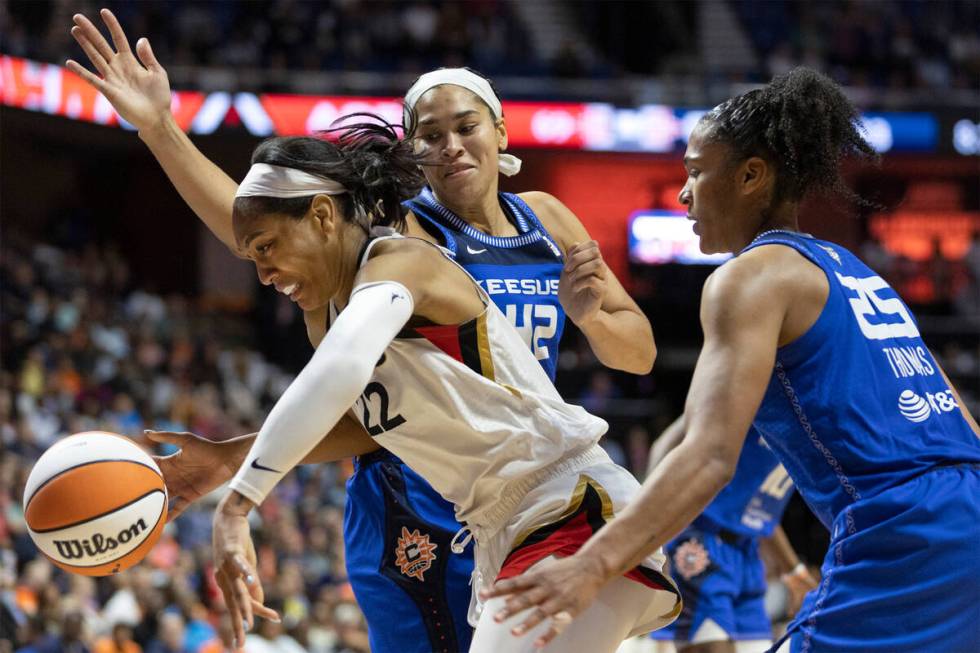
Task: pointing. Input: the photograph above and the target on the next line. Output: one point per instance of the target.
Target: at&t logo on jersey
(916, 408)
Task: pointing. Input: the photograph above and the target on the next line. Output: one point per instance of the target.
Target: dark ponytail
(379, 170)
(802, 123)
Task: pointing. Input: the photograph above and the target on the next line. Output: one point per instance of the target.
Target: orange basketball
(95, 503)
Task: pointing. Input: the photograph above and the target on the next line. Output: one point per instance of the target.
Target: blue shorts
(902, 571)
(413, 590)
(719, 579)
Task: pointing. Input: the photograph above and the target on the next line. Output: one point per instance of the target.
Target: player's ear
(324, 212)
(501, 128)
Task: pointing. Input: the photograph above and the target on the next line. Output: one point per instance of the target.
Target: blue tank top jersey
(857, 404)
(520, 273)
(753, 502)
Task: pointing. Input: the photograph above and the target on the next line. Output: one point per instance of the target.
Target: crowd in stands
(901, 44)
(82, 351)
(355, 35)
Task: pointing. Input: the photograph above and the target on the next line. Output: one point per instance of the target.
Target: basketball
(95, 503)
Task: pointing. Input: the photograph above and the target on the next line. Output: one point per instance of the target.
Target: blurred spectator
(170, 635)
(365, 35)
(916, 44)
(81, 352)
(121, 641)
(71, 638)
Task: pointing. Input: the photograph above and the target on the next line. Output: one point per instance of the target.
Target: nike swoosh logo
(475, 251)
(256, 465)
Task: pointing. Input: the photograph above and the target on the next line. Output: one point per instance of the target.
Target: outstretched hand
(138, 89)
(198, 467)
(235, 566)
(560, 589)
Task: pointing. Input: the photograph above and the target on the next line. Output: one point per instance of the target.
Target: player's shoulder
(772, 264)
(761, 271)
(545, 205)
(769, 279)
(557, 218)
(402, 257)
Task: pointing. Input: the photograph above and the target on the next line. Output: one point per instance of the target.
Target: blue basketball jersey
(520, 273)
(857, 404)
(754, 501)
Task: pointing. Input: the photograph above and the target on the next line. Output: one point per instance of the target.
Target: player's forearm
(667, 442)
(327, 387)
(622, 340)
(345, 440)
(672, 496)
(204, 186)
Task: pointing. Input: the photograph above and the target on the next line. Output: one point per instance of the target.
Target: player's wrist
(158, 129)
(235, 504)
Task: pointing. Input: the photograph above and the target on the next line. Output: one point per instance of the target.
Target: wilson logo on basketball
(414, 554)
(98, 543)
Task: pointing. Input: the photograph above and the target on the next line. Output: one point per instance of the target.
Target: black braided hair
(802, 123)
(377, 167)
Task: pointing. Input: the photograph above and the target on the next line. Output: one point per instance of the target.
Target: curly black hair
(379, 169)
(802, 123)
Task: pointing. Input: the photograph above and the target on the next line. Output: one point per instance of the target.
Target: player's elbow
(641, 362)
(650, 357)
(719, 468)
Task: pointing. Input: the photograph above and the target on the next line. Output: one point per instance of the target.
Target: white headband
(508, 164)
(265, 180)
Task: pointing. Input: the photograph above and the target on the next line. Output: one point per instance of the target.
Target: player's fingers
(508, 586)
(594, 266)
(115, 30)
(244, 603)
(93, 34)
(520, 602)
(536, 616)
(167, 437)
(176, 507)
(90, 51)
(244, 570)
(231, 603)
(582, 253)
(548, 635)
(264, 612)
(80, 70)
(146, 56)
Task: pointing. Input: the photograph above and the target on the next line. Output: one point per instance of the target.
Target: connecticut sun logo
(690, 559)
(414, 554)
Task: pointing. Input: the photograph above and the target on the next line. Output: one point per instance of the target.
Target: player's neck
(784, 217)
(350, 263)
(484, 214)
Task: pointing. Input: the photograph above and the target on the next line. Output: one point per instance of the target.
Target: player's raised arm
(138, 88)
(593, 298)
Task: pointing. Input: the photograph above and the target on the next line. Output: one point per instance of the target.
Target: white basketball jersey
(470, 409)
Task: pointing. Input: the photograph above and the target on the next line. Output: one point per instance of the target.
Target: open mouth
(289, 290)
